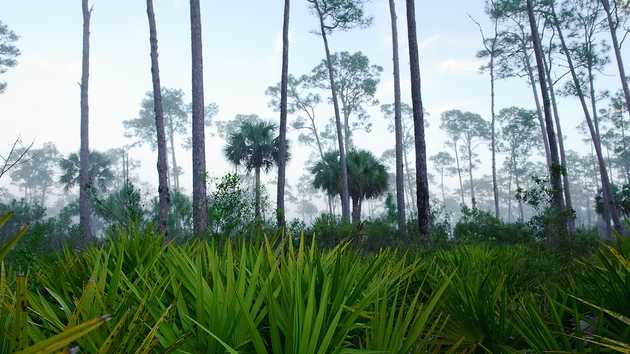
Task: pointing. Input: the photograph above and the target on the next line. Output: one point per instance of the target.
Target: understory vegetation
(270, 292)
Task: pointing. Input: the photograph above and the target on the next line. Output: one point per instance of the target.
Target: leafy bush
(479, 226)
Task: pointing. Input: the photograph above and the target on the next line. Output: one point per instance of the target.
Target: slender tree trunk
(521, 212)
(175, 168)
(200, 203)
(617, 49)
(610, 210)
(85, 188)
(555, 168)
(345, 195)
(493, 144)
(563, 158)
(356, 211)
(330, 205)
(257, 194)
(473, 200)
(400, 178)
(422, 180)
(539, 109)
(459, 173)
(410, 184)
(280, 212)
(162, 164)
(594, 112)
(510, 190)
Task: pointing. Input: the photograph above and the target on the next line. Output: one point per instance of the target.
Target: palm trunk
(422, 180)
(617, 49)
(610, 210)
(85, 189)
(200, 203)
(280, 212)
(257, 194)
(162, 164)
(563, 158)
(555, 168)
(400, 178)
(345, 195)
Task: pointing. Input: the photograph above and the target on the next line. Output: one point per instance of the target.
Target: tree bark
(200, 203)
(555, 167)
(563, 158)
(610, 210)
(280, 210)
(400, 175)
(422, 180)
(345, 195)
(85, 188)
(617, 49)
(495, 188)
(162, 164)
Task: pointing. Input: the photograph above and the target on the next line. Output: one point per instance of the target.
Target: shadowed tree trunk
(563, 158)
(345, 194)
(422, 180)
(609, 209)
(280, 212)
(200, 203)
(459, 173)
(162, 164)
(356, 211)
(539, 109)
(400, 182)
(617, 48)
(85, 187)
(555, 167)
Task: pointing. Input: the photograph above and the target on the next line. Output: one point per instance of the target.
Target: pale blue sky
(241, 59)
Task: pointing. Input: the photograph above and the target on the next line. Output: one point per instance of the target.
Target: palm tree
(255, 146)
(367, 177)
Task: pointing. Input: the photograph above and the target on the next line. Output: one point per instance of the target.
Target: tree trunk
(200, 203)
(473, 200)
(510, 189)
(280, 210)
(539, 109)
(410, 184)
(495, 188)
(174, 168)
(617, 49)
(356, 212)
(459, 173)
(85, 188)
(442, 185)
(257, 193)
(563, 158)
(555, 168)
(400, 177)
(422, 180)
(594, 112)
(521, 213)
(162, 164)
(345, 195)
(610, 210)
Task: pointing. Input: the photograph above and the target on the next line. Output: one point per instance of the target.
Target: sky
(242, 57)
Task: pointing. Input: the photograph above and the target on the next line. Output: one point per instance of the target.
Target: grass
(138, 293)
